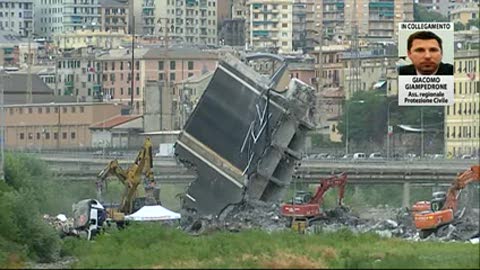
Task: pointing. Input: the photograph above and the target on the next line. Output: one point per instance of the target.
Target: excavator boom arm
(325, 184)
(472, 175)
(131, 177)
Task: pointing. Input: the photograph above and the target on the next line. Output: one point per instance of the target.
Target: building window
(72, 135)
(160, 65)
(39, 110)
(22, 136)
(161, 76)
(47, 136)
(137, 91)
(47, 110)
(172, 76)
(73, 109)
(82, 109)
(64, 109)
(172, 65)
(56, 109)
(38, 135)
(190, 65)
(190, 74)
(55, 135)
(30, 110)
(30, 136)
(64, 135)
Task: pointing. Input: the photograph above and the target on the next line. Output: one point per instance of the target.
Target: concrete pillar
(406, 194)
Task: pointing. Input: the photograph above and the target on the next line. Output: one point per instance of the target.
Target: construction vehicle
(432, 217)
(305, 208)
(88, 216)
(130, 201)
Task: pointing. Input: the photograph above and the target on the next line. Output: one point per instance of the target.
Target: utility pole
(132, 66)
(421, 130)
(166, 63)
(3, 82)
(29, 63)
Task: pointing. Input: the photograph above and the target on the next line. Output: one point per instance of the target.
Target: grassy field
(156, 246)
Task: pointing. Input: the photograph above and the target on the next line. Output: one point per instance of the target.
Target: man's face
(425, 55)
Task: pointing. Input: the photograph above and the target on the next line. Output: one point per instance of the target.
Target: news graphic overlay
(425, 74)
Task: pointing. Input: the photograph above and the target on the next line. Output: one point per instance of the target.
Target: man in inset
(425, 51)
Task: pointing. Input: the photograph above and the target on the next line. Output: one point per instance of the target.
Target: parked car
(467, 157)
(375, 155)
(347, 156)
(359, 156)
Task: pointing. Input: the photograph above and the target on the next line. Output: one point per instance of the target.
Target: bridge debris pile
(385, 221)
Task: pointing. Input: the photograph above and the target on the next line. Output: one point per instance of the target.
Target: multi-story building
(17, 16)
(114, 15)
(54, 125)
(299, 25)
(464, 12)
(81, 14)
(374, 61)
(462, 119)
(48, 18)
(440, 6)
(181, 22)
(270, 25)
(88, 37)
(78, 74)
(9, 49)
(154, 64)
(233, 32)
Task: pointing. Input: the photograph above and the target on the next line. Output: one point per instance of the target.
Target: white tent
(153, 213)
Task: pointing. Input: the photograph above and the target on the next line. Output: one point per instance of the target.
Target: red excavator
(304, 208)
(431, 216)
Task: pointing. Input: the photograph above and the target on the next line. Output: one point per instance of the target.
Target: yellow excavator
(89, 215)
(131, 179)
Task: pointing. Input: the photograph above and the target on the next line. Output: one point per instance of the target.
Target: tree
(366, 118)
(422, 14)
(458, 26)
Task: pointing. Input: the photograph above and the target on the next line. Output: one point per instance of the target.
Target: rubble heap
(388, 222)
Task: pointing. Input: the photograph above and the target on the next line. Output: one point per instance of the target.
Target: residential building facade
(17, 16)
(81, 14)
(270, 25)
(462, 119)
(48, 18)
(181, 22)
(114, 16)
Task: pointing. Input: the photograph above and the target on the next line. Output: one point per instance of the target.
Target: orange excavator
(305, 208)
(429, 217)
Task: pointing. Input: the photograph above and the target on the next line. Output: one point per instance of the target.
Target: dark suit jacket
(443, 69)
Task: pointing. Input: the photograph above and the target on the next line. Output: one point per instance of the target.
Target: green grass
(154, 246)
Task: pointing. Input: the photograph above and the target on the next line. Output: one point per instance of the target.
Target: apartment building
(181, 21)
(88, 37)
(153, 64)
(464, 12)
(440, 6)
(462, 119)
(48, 19)
(270, 25)
(114, 15)
(81, 14)
(17, 16)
